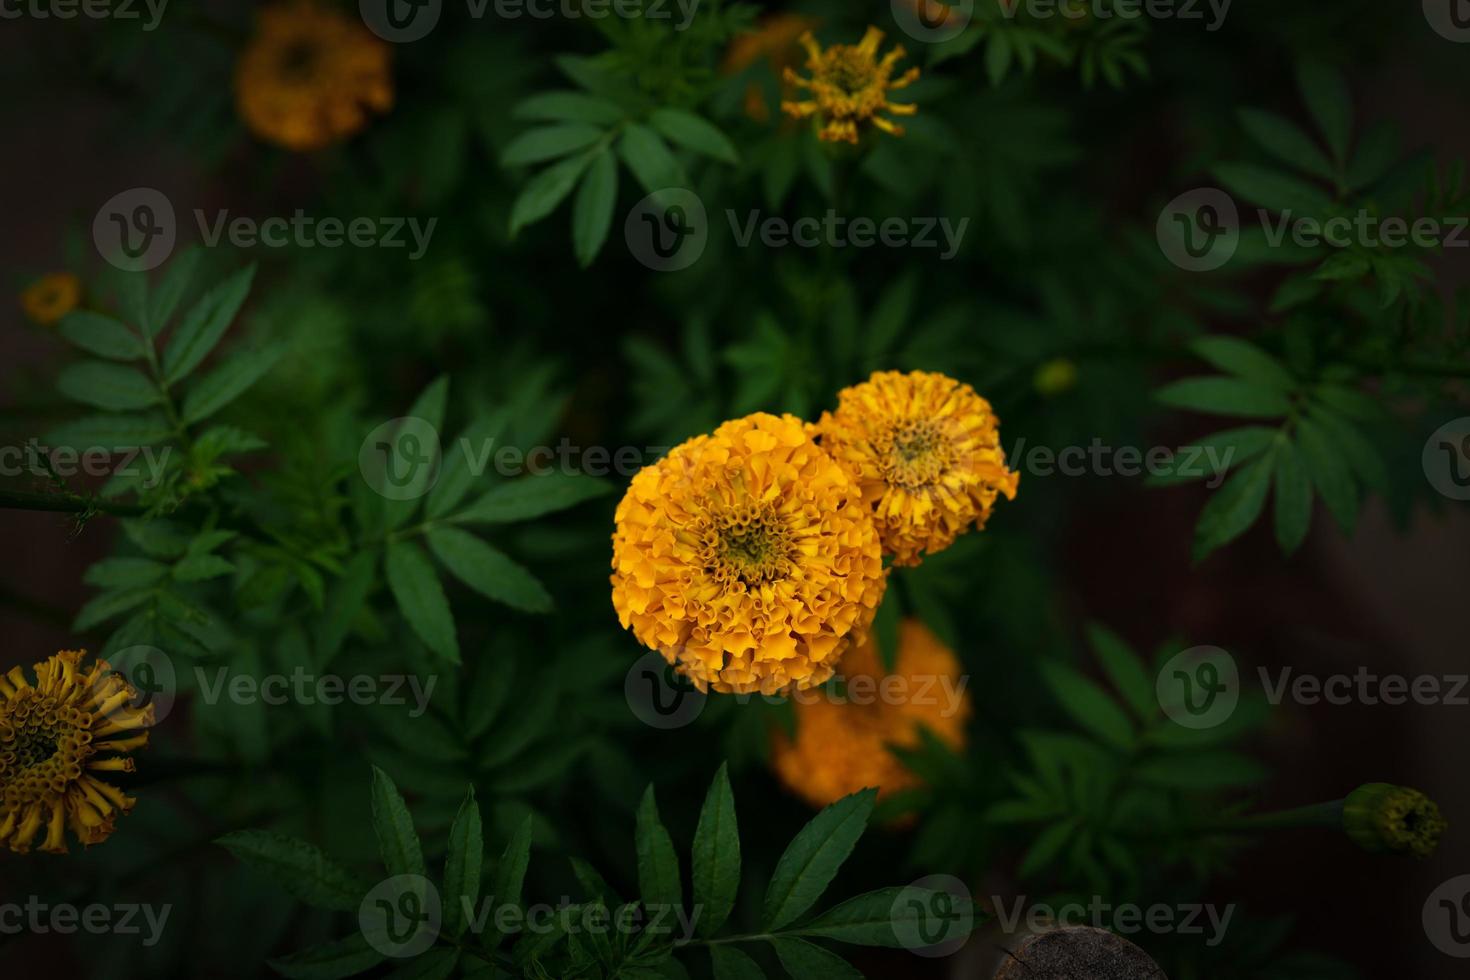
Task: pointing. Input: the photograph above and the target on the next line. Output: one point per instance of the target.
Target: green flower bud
(1381, 818)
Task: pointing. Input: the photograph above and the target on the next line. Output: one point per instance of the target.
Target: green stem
(66, 503)
(1316, 815)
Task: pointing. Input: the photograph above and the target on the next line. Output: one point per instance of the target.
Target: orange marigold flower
(55, 737)
(52, 297)
(842, 740)
(310, 75)
(925, 449)
(747, 558)
(774, 39)
(849, 87)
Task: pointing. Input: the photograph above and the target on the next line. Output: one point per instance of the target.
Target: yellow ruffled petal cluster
(310, 76)
(925, 449)
(842, 742)
(849, 87)
(747, 558)
(52, 297)
(56, 736)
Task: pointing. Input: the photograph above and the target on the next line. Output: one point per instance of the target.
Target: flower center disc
(750, 546)
(913, 453)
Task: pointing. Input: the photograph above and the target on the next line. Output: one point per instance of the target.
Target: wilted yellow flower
(747, 558)
(1382, 817)
(925, 449)
(52, 297)
(775, 39)
(310, 75)
(842, 738)
(53, 738)
(849, 87)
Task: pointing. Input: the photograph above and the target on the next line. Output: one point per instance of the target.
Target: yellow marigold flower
(849, 86)
(841, 743)
(747, 558)
(925, 449)
(52, 297)
(54, 737)
(775, 39)
(310, 75)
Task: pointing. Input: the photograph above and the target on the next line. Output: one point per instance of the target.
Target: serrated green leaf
(164, 300)
(398, 842)
(329, 961)
(101, 335)
(1284, 140)
(1331, 104)
(1233, 508)
(529, 497)
(802, 959)
(592, 212)
(420, 597)
(731, 964)
(205, 323)
(1126, 670)
(1088, 705)
(716, 855)
(694, 133)
(658, 865)
(1273, 189)
(649, 158)
(488, 570)
(462, 865)
(299, 867)
(546, 190)
(549, 143)
(110, 386)
(569, 107)
(509, 876)
(1245, 360)
(813, 858)
(229, 381)
(1225, 396)
(1293, 515)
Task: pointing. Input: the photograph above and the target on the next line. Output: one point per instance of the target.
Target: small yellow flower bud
(1382, 817)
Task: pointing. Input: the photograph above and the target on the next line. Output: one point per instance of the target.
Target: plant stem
(1316, 815)
(66, 503)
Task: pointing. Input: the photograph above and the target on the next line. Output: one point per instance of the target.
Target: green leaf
(510, 875)
(488, 571)
(716, 855)
(1088, 705)
(117, 573)
(1225, 396)
(865, 920)
(109, 386)
(649, 158)
(532, 496)
(803, 959)
(1202, 771)
(1273, 189)
(101, 335)
(1233, 508)
(1244, 360)
(298, 867)
(428, 407)
(694, 133)
(1045, 847)
(1126, 670)
(110, 604)
(1232, 447)
(658, 865)
(549, 143)
(436, 964)
(1331, 104)
(592, 212)
(462, 865)
(344, 602)
(111, 432)
(204, 325)
(546, 190)
(569, 107)
(1329, 472)
(731, 964)
(1293, 499)
(171, 288)
(472, 451)
(1284, 140)
(420, 597)
(398, 842)
(228, 381)
(329, 961)
(813, 857)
